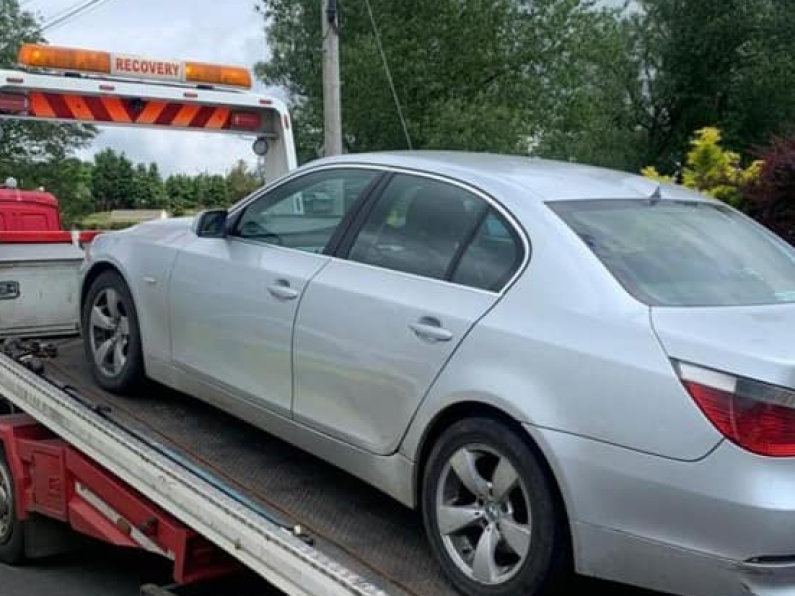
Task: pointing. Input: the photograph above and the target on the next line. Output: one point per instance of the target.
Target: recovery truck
(160, 471)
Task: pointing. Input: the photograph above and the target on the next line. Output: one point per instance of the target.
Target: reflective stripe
(97, 108)
(115, 517)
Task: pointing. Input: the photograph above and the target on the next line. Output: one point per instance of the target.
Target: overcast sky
(226, 31)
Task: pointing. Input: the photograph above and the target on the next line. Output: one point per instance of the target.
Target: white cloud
(227, 31)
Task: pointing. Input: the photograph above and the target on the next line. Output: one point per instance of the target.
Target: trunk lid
(757, 342)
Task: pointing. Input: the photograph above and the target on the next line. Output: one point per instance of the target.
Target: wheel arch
(458, 411)
(97, 269)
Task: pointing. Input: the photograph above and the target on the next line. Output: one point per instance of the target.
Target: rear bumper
(720, 526)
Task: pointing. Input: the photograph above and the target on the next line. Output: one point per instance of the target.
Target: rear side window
(438, 230)
(492, 257)
(685, 253)
(418, 226)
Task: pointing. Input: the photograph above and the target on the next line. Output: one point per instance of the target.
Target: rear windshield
(685, 253)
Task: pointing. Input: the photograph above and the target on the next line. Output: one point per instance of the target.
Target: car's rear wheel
(111, 336)
(491, 512)
(12, 535)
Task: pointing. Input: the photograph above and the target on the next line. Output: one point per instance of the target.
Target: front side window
(419, 226)
(304, 213)
(684, 253)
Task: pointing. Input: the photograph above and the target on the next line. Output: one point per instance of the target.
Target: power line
(71, 13)
(388, 74)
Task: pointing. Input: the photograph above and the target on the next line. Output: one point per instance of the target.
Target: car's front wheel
(111, 335)
(491, 511)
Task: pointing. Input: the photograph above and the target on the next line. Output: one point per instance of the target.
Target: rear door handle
(281, 290)
(430, 329)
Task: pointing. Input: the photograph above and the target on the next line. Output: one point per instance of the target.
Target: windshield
(680, 253)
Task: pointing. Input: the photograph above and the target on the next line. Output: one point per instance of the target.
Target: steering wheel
(251, 229)
(272, 238)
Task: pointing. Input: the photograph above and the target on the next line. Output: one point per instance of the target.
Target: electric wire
(388, 74)
(72, 13)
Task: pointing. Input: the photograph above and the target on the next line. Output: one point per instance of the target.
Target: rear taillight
(246, 121)
(754, 415)
(13, 103)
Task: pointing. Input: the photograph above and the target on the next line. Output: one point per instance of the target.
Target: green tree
(241, 182)
(140, 196)
(155, 187)
(148, 191)
(217, 191)
(26, 141)
(488, 75)
(68, 179)
(180, 191)
(113, 181)
(593, 118)
(725, 63)
(200, 195)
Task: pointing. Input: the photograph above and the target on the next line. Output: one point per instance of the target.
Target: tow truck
(158, 471)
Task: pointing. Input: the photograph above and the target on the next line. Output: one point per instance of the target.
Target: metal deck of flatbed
(375, 545)
(350, 521)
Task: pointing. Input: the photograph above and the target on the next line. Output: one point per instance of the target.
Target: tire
(12, 530)
(492, 540)
(109, 315)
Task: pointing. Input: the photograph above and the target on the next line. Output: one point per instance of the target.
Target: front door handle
(430, 329)
(281, 290)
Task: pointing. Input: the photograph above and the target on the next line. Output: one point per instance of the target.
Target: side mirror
(210, 224)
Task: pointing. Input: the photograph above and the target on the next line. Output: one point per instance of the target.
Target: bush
(771, 198)
(713, 170)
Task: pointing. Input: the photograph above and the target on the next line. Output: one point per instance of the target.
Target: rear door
(233, 300)
(378, 323)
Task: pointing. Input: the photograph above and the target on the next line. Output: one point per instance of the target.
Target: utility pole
(331, 78)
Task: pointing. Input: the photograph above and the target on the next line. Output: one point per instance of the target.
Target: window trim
(368, 203)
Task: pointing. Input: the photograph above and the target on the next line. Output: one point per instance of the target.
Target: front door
(233, 300)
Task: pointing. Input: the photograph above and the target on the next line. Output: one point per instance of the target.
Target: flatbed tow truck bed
(373, 543)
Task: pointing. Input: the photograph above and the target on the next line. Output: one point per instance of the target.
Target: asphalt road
(100, 570)
(104, 571)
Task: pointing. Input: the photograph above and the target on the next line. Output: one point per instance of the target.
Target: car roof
(545, 180)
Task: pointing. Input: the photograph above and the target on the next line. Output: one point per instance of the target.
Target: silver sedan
(562, 367)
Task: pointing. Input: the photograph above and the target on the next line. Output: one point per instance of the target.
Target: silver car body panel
(361, 378)
(680, 527)
(750, 341)
(654, 494)
(225, 322)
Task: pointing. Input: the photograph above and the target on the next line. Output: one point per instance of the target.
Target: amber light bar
(128, 66)
(41, 56)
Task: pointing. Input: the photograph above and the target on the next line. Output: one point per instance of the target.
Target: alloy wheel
(109, 332)
(483, 514)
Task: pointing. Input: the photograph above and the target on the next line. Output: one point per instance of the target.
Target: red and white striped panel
(93, 108)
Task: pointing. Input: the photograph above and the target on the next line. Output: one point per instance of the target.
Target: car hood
(756, 342)
(165, 225)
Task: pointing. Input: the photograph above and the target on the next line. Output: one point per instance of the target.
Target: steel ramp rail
(258, 543)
